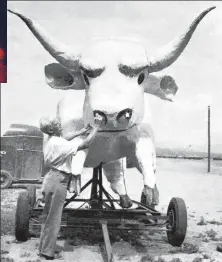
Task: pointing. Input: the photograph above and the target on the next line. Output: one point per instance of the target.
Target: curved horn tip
(202, 15)
(211, 8)
(15, 13)
(9, 10)
(24, 18)
(208, 10)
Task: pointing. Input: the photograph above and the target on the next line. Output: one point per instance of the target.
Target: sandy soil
(187, 179)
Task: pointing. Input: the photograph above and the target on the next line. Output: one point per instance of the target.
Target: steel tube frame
(103, 213)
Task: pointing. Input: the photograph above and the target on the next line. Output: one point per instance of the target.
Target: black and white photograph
(111, 132)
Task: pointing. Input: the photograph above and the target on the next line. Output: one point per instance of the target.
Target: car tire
(22, 217)
(6, 179)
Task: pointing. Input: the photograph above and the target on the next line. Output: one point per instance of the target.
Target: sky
(198, 72)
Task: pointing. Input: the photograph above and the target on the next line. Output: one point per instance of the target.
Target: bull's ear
(162, 86)
(59, 77)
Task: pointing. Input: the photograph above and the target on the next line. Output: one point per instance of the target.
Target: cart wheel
(177, 213)
(22, 217)
(32, 194)
(6, 179)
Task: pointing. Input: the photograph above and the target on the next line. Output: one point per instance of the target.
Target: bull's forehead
(112, 52)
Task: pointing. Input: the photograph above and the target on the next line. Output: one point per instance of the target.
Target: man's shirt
(58, 153)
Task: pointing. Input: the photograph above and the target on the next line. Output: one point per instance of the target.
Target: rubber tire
(22, 217)
(178, 233)
(8, 181)
(32, 195)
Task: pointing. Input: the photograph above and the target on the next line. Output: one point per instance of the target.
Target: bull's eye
(86, 79)
(92, 73)
(140, 78)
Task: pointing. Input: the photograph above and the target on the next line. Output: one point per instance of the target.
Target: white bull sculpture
(115, 76)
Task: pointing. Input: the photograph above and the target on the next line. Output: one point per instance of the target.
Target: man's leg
(54, 191)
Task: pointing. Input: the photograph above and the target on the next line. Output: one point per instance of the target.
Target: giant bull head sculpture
(115, 77)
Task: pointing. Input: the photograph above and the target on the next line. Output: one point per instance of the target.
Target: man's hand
(83, 131)
(88, 127)
(92, 134)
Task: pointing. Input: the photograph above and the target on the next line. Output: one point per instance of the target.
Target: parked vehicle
(21, 155)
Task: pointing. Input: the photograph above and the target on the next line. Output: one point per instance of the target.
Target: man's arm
(71, 136)
(85, 144)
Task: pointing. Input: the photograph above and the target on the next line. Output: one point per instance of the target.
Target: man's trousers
(54, 190)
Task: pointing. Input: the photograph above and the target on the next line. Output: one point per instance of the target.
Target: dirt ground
(187, 179)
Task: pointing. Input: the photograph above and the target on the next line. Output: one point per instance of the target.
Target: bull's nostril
(127, 113)
(102, 114)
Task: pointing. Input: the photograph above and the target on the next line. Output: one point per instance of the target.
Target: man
(58, 154)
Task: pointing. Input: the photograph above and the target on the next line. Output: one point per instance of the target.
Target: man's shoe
(57, 256)
(46, 257)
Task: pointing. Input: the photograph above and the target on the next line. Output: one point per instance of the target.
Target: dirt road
(187, 179)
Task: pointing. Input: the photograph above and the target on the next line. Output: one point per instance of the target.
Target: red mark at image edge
(3, 68)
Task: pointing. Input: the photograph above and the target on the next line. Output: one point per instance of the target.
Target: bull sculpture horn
(61, 53)
(58, 50)
(169, 53)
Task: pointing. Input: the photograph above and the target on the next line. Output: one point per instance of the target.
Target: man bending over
(58, 153)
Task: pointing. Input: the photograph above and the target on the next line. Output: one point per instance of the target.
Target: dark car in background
(21, 155)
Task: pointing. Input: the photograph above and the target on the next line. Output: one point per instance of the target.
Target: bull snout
(121, 117)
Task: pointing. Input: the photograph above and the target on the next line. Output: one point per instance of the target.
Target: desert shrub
(201, 235)
(34, 260)
(202, 221)
(147, 258)
(3, 252)
(190, 248)
(219, 248)
(186, 248)
(197, 259)
(206, 256)
(7, 222)
(160, 259)
(176, 260)
(211, 234)
(25, 254)
(7, 259)
(214, 222)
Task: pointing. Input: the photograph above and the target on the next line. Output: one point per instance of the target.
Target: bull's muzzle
(122, 117)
